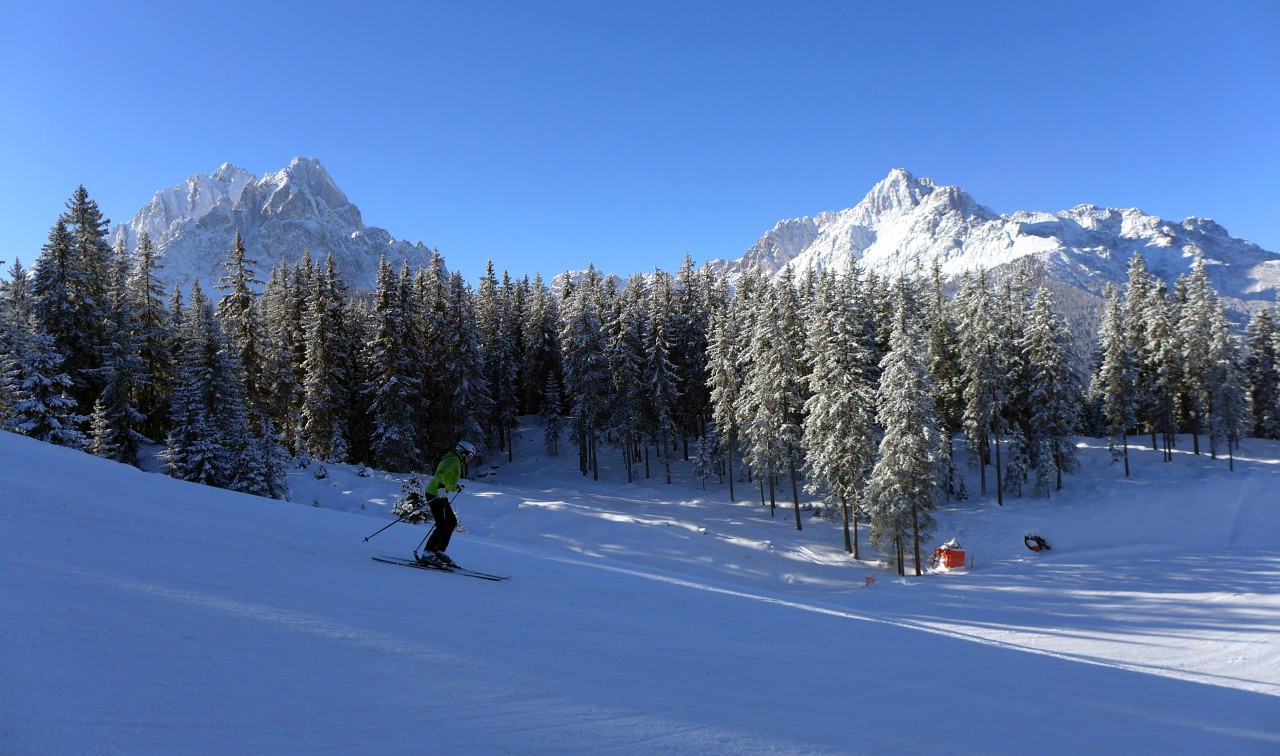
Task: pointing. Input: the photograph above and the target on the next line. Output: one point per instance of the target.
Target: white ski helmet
(465, 447)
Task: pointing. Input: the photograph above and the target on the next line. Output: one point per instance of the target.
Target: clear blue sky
(546, 135)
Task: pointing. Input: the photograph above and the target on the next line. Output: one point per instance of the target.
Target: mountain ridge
(905, 223)
(901, 226)
(279, 216)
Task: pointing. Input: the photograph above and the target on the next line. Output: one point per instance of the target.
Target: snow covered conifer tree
(983, 353)
(41, 407)
(1195, 327)
(1054, 393)
(904, 484)
(153, 339)
(282, 305)
(944, 367)
(586, 371)
(494, 320)
(15, 322)
(85, 344)
(196, 449)
(1140, 318)
(704, 458)
(840, 432)
(395, 389)
(723, 376)
(688, 336)
(1162, 356)
(552, 421)
(326, 368)
(1113, 382)
(241, 322)
(463, 402)
(1228, 411)
(626, 322)
(1263, 373)
(115, 418)
(539, 347)
(661, 383)
(771, 404)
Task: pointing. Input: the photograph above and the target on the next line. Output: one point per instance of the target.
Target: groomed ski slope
(145, 615)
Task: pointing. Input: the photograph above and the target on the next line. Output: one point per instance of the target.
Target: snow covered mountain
(193, 224)
(905, 223)
(902, 225)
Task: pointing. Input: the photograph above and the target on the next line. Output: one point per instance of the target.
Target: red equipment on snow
(1035, 542)
(948, 555)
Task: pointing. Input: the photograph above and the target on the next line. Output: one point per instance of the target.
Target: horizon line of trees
(846, 384)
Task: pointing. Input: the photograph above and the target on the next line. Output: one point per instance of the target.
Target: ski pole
(393, 522)
(423, 542)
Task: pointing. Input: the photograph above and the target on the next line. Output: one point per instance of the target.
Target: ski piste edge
(456, 570)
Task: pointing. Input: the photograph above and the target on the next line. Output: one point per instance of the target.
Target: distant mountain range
(906, 223)
(193, 224)
(902, 225)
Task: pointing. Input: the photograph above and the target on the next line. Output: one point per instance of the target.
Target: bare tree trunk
(795, 496)
(844, 510)
(728, 452)
(915, 533)
(999, 483)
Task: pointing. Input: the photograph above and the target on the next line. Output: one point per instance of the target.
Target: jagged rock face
(904, 224)
(279, 216)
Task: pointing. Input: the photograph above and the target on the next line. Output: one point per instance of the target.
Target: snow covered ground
(140, 615)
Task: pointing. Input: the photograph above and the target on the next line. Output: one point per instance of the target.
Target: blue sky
(546, 135)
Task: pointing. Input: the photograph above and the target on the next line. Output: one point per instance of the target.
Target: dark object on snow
(455, 570)
(1035, 542)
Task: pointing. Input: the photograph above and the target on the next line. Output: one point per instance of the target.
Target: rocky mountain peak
(279, 216)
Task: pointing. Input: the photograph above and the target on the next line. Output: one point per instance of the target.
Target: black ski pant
(446, 521)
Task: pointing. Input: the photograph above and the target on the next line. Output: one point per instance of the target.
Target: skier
(438, 489)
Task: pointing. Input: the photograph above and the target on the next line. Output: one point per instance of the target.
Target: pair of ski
(455, 570)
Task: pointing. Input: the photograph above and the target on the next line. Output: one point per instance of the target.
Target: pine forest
(852, 388)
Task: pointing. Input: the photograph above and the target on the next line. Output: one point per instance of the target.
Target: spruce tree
(688, 336)
(724, 378)
(459, 372)
(985, 369)
(91, 295)
(904, 484)
(326, 369)
(1228, 412)
(1195, 326)
(840, 434)
(586, 372)
(770, 409)
(625, 326)
(1113, 383)
(395, 390)
(1054, 394)
(944, 367)
(153, 340)
(497, 351)
(41, 406)
(661, 383)
(282, 304)
(552, 421)
(196, 448)
(115, 419)
(241, 321)
(540, 349)
(1263, 373)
